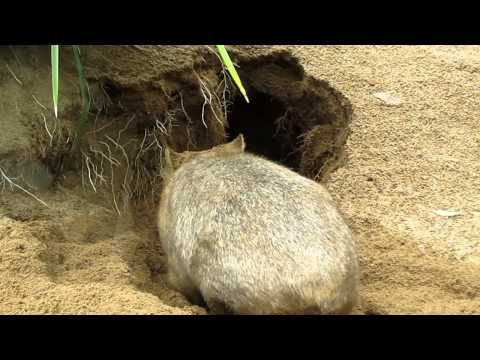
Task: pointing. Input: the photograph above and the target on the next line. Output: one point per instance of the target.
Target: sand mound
(407, 162)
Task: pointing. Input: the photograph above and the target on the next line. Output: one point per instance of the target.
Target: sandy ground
(406, 162)
(410, 190)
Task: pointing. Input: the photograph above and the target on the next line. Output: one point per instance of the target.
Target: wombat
(245, 235)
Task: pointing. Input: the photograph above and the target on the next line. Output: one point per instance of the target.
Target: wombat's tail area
(341, 309)
(338, 300)
(346, 309)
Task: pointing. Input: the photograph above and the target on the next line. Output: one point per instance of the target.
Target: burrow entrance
(261, 124)
(293, 119)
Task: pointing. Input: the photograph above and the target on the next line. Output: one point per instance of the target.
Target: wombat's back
(259, 237)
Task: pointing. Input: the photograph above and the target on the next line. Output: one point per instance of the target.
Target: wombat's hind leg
(346, 309)
(183, 285)
(217, 307)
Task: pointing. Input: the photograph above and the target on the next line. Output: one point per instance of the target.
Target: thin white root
(39, 103)
(125, 128)
(226, 77)
(125, 178)
(5, 178)
(87, 162)
(48, 131)
(15, 55)
(183, 108)
(207, 96)
(14, 76)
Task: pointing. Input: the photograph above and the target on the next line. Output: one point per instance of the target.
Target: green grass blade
(82, 124)
(81, 76)
(55, 59)
(231, 69)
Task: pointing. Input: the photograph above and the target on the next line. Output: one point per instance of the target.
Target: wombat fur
(247, 236)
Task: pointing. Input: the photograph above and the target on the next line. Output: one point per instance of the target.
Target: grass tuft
(55, 59)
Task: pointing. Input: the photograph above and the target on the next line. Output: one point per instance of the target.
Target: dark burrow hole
(262, 122)
(111, 89)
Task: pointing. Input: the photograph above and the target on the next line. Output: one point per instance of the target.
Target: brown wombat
(247, 236)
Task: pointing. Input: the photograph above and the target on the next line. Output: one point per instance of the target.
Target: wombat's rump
(249, 236)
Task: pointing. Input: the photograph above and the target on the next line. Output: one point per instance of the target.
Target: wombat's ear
(237, 145)
(177, 159)
(167, 160)
(170, 160)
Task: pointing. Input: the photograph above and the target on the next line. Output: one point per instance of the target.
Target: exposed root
(50, 134)
(39, 103)
(14, 76)
(5, 180)
(128, 167)
(146, 171)
(227, 85)
(208, 100)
